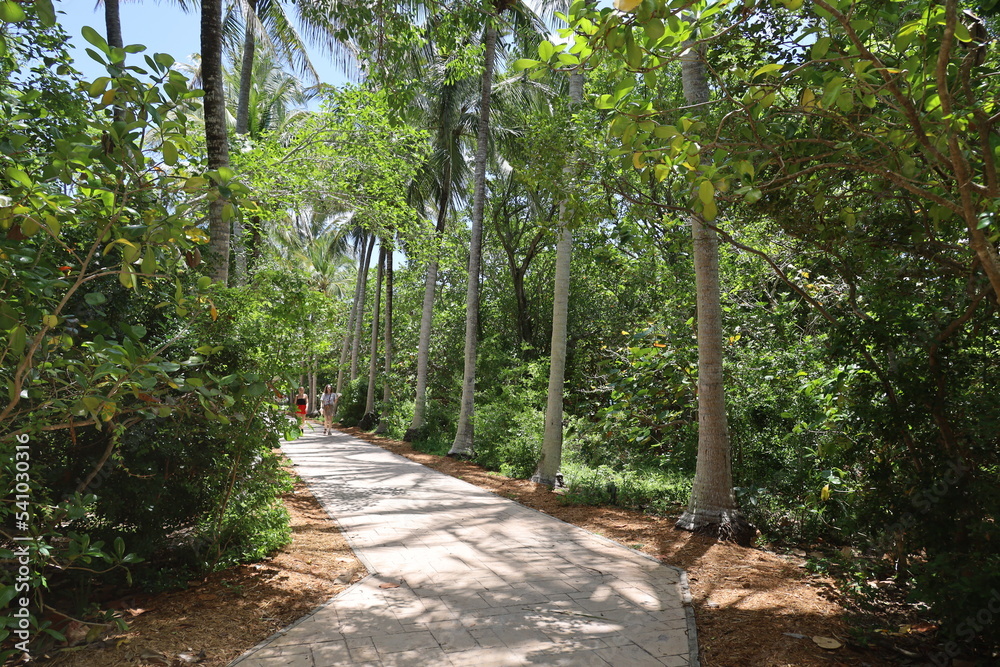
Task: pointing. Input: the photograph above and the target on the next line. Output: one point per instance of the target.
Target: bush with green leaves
(351, 407)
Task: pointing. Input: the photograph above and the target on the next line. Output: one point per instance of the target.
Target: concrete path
(460, 576)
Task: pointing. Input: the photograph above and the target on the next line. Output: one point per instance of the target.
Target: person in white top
(329, 402)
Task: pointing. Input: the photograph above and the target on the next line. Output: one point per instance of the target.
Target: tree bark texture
(349, 329)
(427, 313)
(246, 69)
(387, 338)
(368, 421)
(216, 140)
(552, 440)
(360, 319)
(462, 446)
(712, 507)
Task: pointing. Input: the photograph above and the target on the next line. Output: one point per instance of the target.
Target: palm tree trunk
(113, 23)
(368, 421)
(349, 330)
(427, 315)
(246, 69)
(464, 435)
(359, 321)
(216, 141)
(712, 508)
(387, 337)
(113, 27)
(551, 458)
(242, 127)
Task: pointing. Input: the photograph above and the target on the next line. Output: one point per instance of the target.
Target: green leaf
(95, 38)
(820, 48)
(633, 52)
(148, 261)
(546, 50)
(169, 153)
(654, 29)
(125, 276)
(18, 339)
(525, 63)
(204, 282)
(604, 102)
(46, 13)
(706, 192)
(11, 12)
(95, 298)
(130, 251)
(226, 174)
(709, 212)
(15, 175)
(770, 67)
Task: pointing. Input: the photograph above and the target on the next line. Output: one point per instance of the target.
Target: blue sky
(159, 25)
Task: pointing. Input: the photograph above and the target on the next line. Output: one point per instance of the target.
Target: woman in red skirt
(301, 405)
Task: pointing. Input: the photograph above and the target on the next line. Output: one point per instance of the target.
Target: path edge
(683, 584)
(246, 655)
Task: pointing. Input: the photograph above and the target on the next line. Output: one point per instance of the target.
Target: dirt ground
(753, 608)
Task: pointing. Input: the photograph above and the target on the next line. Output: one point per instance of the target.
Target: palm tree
(551, 457)
(275, 99)
(712, 508)
(387, 338)
(462, 446)
(216, 140)
(446, 108)
(368, 420)
(524, 20)
(266, 23)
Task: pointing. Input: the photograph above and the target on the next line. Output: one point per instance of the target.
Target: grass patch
(648, 489)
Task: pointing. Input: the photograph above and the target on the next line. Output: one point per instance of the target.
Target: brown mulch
(745, 600)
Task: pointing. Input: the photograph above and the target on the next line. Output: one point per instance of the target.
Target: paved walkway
(460, 576)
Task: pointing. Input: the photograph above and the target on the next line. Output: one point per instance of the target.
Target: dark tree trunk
(216, 140)
(246, 70)
(113, 26)
(113, 23)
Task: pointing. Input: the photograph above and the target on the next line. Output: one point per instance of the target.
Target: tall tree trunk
(242, 127)
(427, 314)
(387, 337)
(360, 320)
(368, 421)
(464, 435)
(113, 27)
(551, 458)
(246, 69)
(113, 23)
(712, 508)
(216, 141)
(349, 330)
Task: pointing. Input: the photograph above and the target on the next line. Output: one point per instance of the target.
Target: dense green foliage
(846, 161)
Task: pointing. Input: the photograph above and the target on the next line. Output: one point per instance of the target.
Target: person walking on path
(301, 406)
(329, 401)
